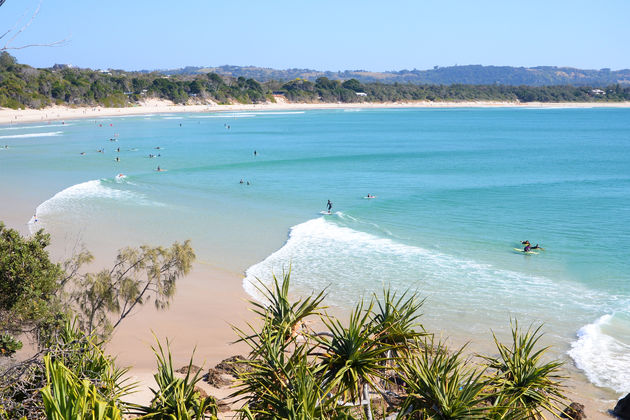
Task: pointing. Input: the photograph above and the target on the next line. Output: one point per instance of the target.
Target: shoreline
(198, 316)
(57, 113)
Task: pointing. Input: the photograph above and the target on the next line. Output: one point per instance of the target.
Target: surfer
(329, 206)
(241, 181)
(255, 153)
(536, 247)
(117, 159)
(527, 248)
(525, 242)
(159, 169)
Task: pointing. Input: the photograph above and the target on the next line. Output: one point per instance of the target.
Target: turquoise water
(456, 190)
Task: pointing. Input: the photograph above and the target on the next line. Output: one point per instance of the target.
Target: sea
(455, 191)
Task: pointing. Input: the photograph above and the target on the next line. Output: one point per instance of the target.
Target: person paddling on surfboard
(329, 206)
(537, 247)
(527, 248)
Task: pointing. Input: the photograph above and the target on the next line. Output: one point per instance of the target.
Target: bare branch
(23, 28)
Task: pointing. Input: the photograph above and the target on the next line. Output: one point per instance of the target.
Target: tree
(138, 275)
(29, 282)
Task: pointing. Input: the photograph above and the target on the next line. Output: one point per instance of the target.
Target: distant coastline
(61, 113)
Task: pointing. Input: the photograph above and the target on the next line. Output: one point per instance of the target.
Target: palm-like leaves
(176, 398)
(352, 355)
(286, 317)
(281, 382)
(440, 385)
(523, 382)
(67, 397)
(395, 318)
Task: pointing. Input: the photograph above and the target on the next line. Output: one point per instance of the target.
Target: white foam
(604, 359)
(72, 198)
(46, 134)
(225, 116)
(26, 127)
(352, 264)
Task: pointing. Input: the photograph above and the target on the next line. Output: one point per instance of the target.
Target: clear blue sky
(325, 34)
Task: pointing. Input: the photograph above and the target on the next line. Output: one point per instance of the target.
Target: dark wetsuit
(527, 248)
(329, 206)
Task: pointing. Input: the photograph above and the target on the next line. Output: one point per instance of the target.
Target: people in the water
(370, 196)
(117, 159)
(329, 206)
(241, 181)
(529, 247)
(255, 153)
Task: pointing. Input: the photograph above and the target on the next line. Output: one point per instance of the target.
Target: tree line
(22, 86)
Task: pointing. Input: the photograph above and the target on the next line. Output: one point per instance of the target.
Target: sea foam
(46, 134)
(74, 199)
(603, 358)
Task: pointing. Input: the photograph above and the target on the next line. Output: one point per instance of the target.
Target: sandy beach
(62, 113)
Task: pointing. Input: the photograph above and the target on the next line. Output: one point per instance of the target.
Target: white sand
(151, 106)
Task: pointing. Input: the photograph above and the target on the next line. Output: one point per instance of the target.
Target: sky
(323, 34)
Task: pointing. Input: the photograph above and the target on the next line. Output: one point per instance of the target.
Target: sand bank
(10, 116)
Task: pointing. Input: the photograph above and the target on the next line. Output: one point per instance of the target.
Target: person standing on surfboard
(329, 206)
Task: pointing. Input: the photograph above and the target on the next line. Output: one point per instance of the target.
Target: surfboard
(324, 212)
(525, 252)
(369, 198)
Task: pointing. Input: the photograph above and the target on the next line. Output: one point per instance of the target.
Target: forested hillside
(473, 74)
(22, 86)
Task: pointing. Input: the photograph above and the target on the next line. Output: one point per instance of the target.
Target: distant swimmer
(241, 181)
(255, 153)
(329, 206)
(248, 183)
(118, 150)
(160, 169)
(117, 159)
(158, 148)
(82, 153)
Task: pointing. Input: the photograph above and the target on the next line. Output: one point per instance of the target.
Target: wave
(225, 116)
(77, 198)
(27, 127)
(46, 134)
(353, 264)
(603, 358)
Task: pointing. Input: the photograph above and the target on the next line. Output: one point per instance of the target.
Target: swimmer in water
(241, 181)
(117, 159)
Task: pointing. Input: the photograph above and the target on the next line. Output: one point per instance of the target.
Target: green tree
(29, 282)
(138, 275)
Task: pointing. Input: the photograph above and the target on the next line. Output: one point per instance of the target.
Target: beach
(60, 113)
(449, 186)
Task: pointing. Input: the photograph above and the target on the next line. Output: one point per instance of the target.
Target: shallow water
(456, 190)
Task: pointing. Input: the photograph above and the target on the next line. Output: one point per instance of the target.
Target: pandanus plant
(522, 382)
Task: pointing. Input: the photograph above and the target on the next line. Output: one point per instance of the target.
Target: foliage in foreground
(383, 361)
(176, 398)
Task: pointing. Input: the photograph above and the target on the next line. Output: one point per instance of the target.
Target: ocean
(456, 190)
